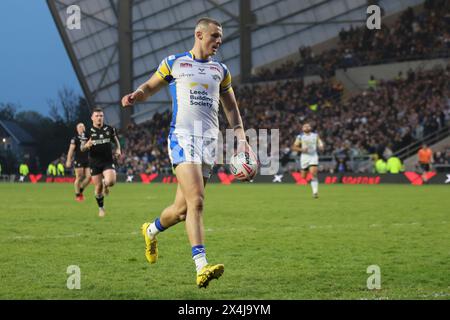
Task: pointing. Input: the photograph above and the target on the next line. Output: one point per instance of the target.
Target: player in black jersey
(80, 161)
(101, 160)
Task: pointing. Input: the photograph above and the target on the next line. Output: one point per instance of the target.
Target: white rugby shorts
(193, 149)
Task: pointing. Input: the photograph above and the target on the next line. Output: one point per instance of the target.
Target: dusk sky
(34, 64)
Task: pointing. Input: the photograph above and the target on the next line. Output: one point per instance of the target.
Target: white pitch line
(74, 235)
(249, 229)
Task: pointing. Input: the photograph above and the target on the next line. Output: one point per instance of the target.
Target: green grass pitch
(276, 242)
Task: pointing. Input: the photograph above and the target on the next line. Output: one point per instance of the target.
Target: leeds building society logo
(199, 97)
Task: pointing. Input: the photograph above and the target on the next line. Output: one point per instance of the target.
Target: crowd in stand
(412, 36)
(386, 117)
(380, 120)
(442, 159)
(145, 146)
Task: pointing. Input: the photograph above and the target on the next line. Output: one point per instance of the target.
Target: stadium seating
(376, 121)
(414, 36)
(379, 121)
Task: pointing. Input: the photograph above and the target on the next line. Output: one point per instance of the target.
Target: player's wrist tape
(140, 90)
(237, 126)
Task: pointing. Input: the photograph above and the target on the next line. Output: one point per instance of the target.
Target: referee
(99, 144)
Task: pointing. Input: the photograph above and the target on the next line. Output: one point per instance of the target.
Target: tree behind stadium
(53, 132)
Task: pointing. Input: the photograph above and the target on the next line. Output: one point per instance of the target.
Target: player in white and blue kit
(197, 83)
(308, 143)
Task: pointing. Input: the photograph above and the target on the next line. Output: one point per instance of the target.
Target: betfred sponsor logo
(35, 178)
(299, 180)
(60, 179)
(417, 179)
(169, 179)
(225, 178)
(147, 178)
(352, 180)
(361, 180)
(185, 65)
(331, 180)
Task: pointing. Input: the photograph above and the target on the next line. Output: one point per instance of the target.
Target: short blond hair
(204, 22)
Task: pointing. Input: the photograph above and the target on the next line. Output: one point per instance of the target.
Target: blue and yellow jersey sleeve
(164, 71)
(225, 85)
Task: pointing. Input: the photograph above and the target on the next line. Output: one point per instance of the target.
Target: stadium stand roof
(120, 43)
(19, 135)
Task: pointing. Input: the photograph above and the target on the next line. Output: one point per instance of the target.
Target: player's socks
(315, 185)
(81, 191)
(199, 257)
(99, 198)
(154, 228)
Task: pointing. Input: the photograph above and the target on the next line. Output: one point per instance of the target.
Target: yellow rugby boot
(151, 245)
(208, 273)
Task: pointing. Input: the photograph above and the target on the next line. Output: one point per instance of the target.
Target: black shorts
(81, 164)
(425, 167)
(98, 168)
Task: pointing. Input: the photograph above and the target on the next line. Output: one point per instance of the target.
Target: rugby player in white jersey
(307, 143)
(197, 83)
